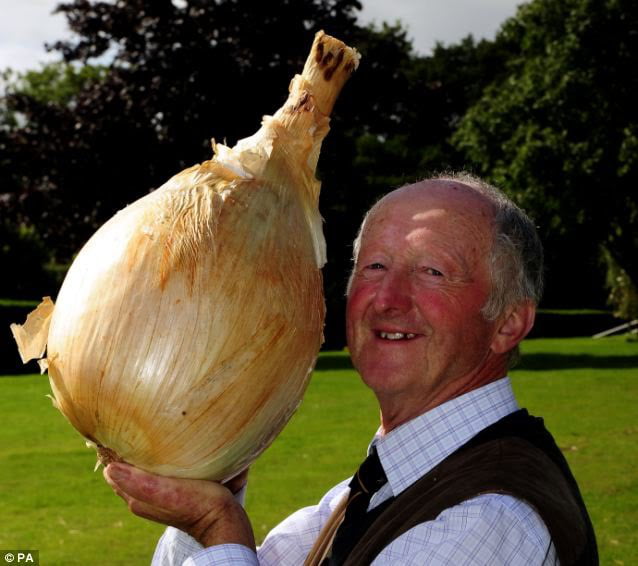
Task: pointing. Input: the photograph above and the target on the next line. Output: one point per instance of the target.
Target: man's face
(415, 331)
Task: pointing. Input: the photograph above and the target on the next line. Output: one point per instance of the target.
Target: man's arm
(205, 510)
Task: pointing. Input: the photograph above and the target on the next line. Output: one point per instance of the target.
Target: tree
(22, 250)
(434, 93)
(559, 130)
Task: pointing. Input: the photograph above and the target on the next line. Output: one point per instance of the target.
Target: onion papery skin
(186, 330)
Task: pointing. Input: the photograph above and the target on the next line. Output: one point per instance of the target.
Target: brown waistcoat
(509, 465)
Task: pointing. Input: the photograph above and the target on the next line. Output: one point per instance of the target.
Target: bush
(571, 323)
(24, 263)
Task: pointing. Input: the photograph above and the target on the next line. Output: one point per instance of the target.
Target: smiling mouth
(396, 335)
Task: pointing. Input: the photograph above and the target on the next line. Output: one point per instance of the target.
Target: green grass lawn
(51, 500)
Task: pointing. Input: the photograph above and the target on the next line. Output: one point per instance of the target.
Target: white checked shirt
(490, 529)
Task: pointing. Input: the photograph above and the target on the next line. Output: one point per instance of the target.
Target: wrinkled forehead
(429, 199)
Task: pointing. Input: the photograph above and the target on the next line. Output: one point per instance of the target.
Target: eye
(372, 271)
(431, 271)
(374, 266)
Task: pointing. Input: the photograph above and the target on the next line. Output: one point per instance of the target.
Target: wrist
(227, 523)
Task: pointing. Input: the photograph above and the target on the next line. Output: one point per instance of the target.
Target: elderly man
(445, 284)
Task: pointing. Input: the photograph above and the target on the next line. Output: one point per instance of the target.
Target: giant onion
(185, 331)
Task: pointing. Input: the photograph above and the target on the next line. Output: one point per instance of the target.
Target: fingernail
(118, 472)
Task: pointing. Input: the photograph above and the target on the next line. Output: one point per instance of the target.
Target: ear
(514, 326)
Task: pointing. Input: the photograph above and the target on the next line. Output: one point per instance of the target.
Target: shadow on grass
(333, 361)
(540, 361)
(575, 361)
(338, 361)
(24, 375)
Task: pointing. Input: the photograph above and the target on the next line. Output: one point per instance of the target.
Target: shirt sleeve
(223, 555)
(490, 529)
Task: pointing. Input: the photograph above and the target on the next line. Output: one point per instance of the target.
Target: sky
(26, 25)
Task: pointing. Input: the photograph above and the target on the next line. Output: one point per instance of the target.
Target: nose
(393, 293)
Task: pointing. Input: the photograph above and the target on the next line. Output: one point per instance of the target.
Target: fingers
(206, 510)
(134, 484)
(137, 497)
(181, 499)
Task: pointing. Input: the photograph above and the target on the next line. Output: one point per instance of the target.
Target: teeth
(396, 335)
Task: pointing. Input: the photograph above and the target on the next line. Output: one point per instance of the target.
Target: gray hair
(516, 256)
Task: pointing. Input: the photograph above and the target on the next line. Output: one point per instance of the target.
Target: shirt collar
(411, 450)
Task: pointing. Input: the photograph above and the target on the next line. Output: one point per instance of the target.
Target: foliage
(23, 250)
(55, 83)
(435, 92)
(623, 292)
(585, 389)
(559, 128)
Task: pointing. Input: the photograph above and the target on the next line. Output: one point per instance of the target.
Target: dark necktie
(367, 481)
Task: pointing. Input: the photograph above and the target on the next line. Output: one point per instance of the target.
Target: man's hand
(205, 510)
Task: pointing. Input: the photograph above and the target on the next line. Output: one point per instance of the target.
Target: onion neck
(314, 92)
(327, 68)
